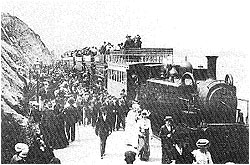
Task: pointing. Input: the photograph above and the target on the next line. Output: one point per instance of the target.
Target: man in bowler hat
(103, 129)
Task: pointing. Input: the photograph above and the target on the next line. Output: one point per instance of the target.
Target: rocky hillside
(20, 48)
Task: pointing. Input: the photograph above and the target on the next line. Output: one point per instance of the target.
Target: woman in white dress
(131, 128)
(144, 135)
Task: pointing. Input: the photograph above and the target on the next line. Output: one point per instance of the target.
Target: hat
(71, 100)
(145, 112)
(168, 118)
(135, 106)
(21, 146)
(202, 143)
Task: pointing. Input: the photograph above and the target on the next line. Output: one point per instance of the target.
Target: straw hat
(20, 147)
(168, 118)
(202, 143)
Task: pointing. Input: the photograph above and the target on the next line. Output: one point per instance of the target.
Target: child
(202, 155)
(130, 155)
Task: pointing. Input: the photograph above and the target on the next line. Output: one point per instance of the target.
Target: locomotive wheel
(229, 79)
(188, 75)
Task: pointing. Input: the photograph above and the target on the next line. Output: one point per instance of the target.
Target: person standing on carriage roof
(166, 134)
(129, 43)
(138, 41)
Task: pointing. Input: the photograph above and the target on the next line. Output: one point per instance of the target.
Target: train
(201, 105)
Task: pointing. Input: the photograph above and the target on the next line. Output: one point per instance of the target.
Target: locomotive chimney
(211, 66)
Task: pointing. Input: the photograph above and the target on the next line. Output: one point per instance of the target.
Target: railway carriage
(128, 68)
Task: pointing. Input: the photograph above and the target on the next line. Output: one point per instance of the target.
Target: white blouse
(144, 123)
(202, 158)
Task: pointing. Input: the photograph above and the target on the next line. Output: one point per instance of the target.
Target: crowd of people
(67, 98)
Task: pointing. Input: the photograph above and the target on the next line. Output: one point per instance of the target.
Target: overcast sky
(72, 24)
(191, 27)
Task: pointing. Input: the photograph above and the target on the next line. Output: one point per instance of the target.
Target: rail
(141, 58)
(143, 55)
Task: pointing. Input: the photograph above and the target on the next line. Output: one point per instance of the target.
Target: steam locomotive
(201, 106)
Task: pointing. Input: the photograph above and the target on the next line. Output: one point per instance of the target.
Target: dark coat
(36, 155)
(102, 128)
(46, 95)
(71, 115)
(166, 142)
(185, 158)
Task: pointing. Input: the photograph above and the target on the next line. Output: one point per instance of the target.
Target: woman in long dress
(131, 128)
(145, 134)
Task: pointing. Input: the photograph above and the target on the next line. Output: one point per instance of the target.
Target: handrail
(137, 58)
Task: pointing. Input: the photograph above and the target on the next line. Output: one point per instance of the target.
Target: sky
(73, 24)
(191, 27)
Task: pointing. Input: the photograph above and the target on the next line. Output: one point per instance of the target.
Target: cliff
(20, 49)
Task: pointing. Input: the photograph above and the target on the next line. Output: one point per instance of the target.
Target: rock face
(20, 49)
